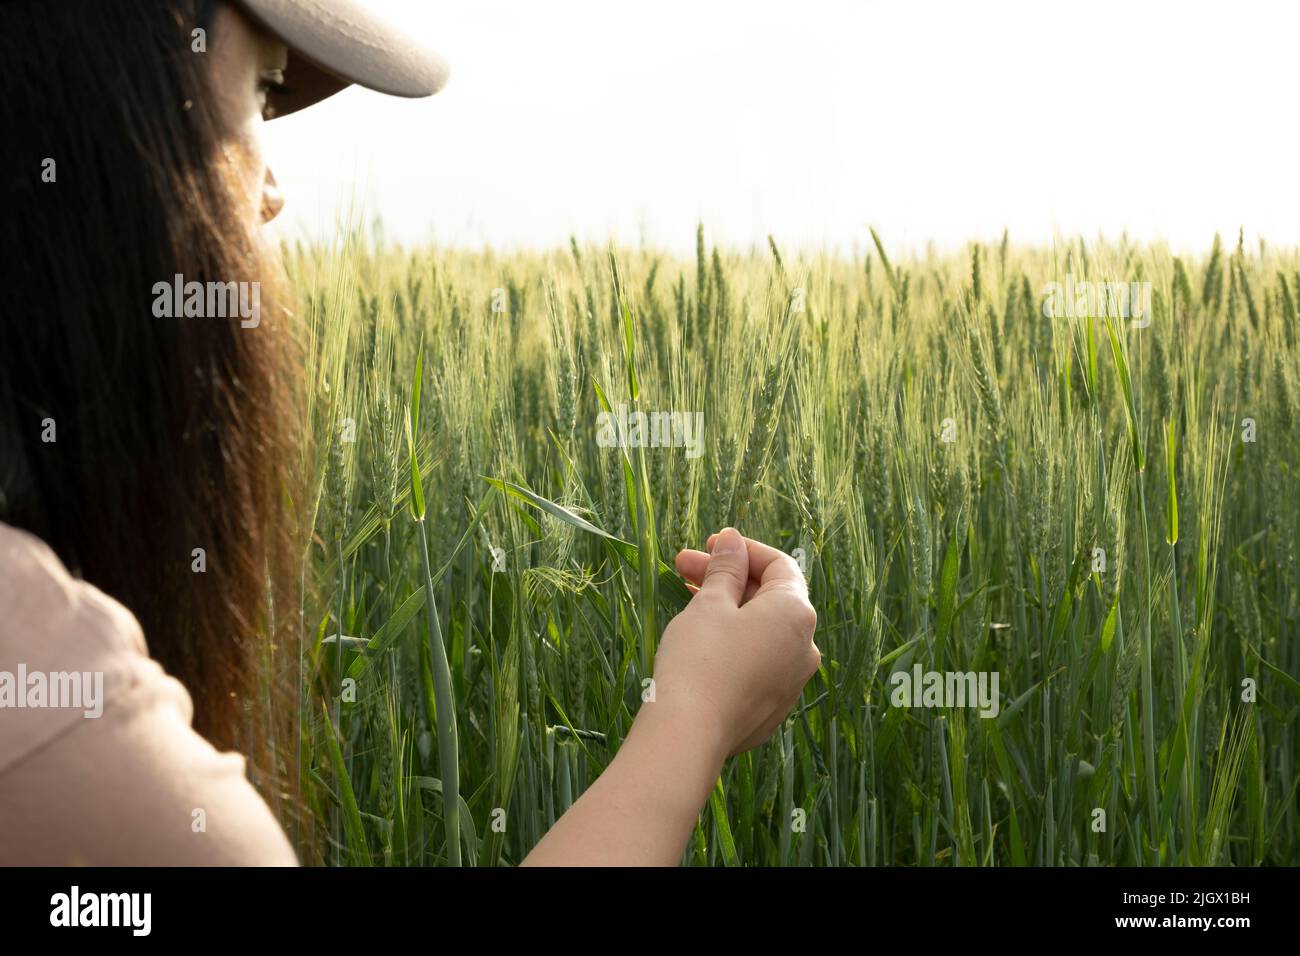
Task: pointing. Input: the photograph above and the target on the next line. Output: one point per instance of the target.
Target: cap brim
(335, 43)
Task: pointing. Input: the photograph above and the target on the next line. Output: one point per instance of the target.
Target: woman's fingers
(767, 566)
(771, 567)
(691, 565)
(760, 556)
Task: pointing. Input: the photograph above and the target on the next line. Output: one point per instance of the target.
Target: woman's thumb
(728, 570)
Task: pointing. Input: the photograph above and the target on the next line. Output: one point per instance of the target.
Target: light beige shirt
(133, 786)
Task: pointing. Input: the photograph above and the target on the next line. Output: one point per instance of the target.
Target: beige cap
(335, 43)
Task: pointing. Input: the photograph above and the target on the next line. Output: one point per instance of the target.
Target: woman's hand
(736, 659)
(729, 669)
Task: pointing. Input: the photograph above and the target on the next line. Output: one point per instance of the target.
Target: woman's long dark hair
(169, 434)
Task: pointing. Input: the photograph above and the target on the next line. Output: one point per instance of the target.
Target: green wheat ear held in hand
(729, 670)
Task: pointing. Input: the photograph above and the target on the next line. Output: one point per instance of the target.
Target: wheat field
(1101, 511)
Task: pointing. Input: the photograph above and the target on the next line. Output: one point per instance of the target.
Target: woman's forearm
(641, 810)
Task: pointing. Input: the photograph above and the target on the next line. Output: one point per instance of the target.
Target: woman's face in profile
(246, 65)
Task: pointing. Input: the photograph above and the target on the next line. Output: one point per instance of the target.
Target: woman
(142, 451)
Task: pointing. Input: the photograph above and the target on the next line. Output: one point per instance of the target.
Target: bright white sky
(810, 119)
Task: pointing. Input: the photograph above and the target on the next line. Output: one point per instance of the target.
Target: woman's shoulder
(66, 648)
(38, 597)
(98, 761)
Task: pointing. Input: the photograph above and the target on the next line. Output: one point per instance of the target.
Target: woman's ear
(272, 198)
